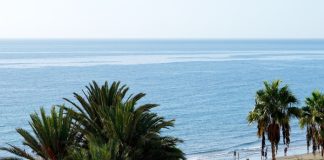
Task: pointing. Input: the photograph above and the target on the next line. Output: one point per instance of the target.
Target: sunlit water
(207, 86)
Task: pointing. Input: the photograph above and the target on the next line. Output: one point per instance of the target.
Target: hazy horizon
(161, 19)
(170, 39)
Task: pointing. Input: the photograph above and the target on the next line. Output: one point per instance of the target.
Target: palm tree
(95, 151)
(273, 109)
(106, 114)
(94, 101)
(262, 119)
(312, 118)
(52, 135)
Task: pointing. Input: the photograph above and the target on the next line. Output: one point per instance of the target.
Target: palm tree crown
(106, 114)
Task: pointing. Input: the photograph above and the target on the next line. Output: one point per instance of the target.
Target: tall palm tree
(273, 111)
(105, 113)
(312, 118)
(52, 135)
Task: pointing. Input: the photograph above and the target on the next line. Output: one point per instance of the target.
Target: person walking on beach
(286, 149)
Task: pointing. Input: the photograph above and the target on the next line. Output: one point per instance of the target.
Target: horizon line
(170, 39)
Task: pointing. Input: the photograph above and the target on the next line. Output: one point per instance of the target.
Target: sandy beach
(309, 156)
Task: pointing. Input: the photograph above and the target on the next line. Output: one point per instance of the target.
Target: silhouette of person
(286, 149)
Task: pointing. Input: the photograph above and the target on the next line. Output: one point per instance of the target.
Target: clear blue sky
(215, 19)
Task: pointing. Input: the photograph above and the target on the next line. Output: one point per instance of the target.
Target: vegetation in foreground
(103, 124)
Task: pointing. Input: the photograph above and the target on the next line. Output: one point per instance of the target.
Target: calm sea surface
(207, 86)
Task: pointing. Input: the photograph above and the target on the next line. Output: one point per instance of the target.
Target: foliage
(272, 111)
(103, 124)
(312, 118)
(106, 114)
(53, 135)
(95, 151)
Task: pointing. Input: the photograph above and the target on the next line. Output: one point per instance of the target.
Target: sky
(162, 19)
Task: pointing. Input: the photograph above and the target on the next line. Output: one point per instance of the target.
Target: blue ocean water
(208, 86)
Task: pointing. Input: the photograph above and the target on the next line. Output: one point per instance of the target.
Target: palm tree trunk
(308, 134)
(263, 146)
(314, 146)
(273, 149)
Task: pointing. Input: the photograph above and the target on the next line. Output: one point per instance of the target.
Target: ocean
(207, 86)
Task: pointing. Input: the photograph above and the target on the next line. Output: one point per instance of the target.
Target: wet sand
(309, 156)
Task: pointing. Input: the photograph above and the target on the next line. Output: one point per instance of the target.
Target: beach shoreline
(307, 156)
